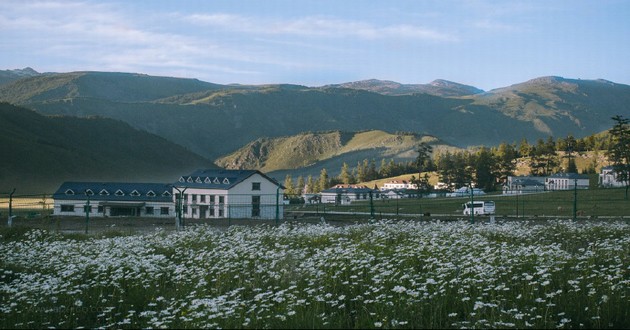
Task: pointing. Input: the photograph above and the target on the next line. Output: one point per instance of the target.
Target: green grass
(556, 204)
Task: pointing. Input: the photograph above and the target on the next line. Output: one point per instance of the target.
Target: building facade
(105, 199)
(608, 178)
(221, 193)
(343, 194)
(204, 194)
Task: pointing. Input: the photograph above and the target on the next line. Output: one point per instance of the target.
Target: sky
(484, 43)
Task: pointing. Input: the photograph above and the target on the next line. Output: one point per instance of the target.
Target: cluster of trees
(486, 167)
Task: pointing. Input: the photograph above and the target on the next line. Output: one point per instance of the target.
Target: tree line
(486, 167)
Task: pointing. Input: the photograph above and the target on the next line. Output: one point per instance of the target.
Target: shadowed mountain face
(39, 152)
(216, 120)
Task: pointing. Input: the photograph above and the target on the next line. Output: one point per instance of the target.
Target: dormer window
(207, 180)
(151, 193)
(198, 180)
(104, 192)
(226, 181)
(69, 192)
(135, 193)
(166, 193)
(119, 193)
(181, 179)
(216, 181)
(89, 192)
(190, 179)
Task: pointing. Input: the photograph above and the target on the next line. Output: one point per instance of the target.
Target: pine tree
(619, 151)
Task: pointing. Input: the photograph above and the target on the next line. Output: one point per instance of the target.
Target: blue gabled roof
(568, 176)
(218, 178)
(115, 191)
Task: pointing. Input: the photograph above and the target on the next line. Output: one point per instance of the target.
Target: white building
(103, 199)
(524, 184)
(398, 184)
(608, 178)
(346, 194)
(566, 181)
(221, 193)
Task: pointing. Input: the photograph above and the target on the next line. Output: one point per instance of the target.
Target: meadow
(379, 274)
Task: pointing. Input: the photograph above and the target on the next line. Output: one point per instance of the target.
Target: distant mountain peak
(26, 72)
(438, 87)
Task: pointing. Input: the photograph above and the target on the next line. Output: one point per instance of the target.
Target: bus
(480, 207)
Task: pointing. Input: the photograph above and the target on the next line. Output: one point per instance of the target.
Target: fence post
(87, 212)
(371, 205)
(10, 222)
(575, 200)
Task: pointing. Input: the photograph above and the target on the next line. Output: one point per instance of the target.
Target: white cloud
(317, 27)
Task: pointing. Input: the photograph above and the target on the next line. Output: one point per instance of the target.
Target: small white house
(524, 184)
(398, 184)
(608, 178)
(566, 181)
(221, 193)
(346, 194)
(465, 191)
(105, 199)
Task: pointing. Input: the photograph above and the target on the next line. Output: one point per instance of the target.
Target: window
(151, 193)
(190, 180)
(119, 193)
(255, 185)
(69, 192)
(149, 210)
(226, 181)
(87, 209)
(104, 193)
(194, 198)
(100, 209)
(135, 193)
(67, 208)
(207, 180)
(255, 206)
(194, 211)
(89, 192)
(203, 198)
(212, 211)
(221, 199)
(164, 210)
(198, 180)
(211, 199)
(166, 193)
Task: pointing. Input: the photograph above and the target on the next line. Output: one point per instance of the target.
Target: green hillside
(39, 152)
(307, 153)
(215, 120)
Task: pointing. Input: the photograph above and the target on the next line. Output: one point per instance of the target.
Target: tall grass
(378, 275)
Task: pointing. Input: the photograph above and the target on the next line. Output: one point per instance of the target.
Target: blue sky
(484, 43)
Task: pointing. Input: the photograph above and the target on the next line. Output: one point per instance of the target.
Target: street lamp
(178, 207)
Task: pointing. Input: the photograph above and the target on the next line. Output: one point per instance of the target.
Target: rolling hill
(217, 120)
(39, 152)
(307, 153)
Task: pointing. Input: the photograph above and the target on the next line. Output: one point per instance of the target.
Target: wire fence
(581, 203)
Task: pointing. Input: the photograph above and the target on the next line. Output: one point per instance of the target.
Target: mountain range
(246, 124)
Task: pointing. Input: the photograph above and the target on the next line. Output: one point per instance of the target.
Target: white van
(480, 207)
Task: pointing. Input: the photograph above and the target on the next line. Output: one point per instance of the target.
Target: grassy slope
(39, 152)
(315, 149)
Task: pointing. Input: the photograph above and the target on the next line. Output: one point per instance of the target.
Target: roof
(567, 176)
(114, 191)
(218, 178)
(350, 190)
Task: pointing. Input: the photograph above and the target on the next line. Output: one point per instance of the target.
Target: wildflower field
(385, 274)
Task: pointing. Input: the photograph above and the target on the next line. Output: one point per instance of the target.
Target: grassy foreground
(378, 275)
